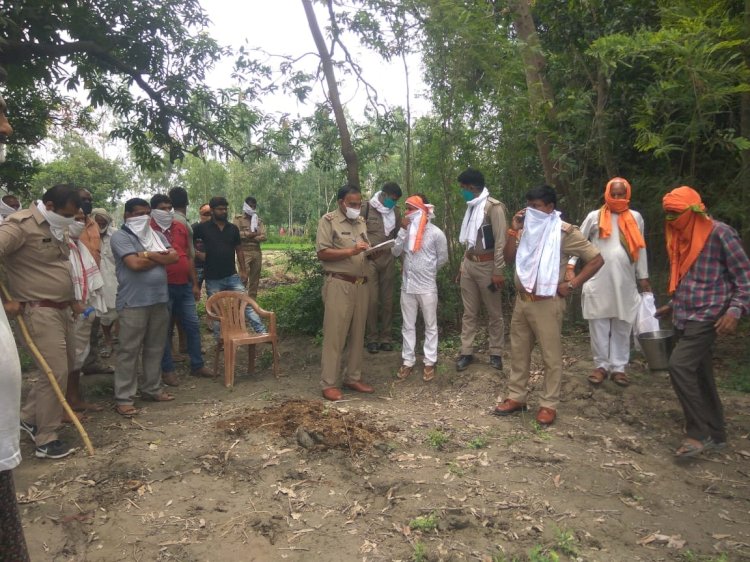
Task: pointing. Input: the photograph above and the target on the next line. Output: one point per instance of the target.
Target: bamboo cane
(51, 376)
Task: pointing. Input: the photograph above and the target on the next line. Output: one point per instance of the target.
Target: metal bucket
(657, 346)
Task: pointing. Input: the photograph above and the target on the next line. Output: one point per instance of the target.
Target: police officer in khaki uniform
(34, 247)
(483, 233)
(383, 220)
(340, 243)
(539, 318)
(251, 236)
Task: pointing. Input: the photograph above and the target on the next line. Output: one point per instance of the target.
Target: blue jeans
(182, 305)
(233, 283)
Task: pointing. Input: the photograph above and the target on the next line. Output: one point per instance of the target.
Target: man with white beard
(141, 256)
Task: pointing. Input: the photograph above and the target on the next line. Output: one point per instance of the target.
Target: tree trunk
(347, 149)
(540, 92)
(744, 179)
(408, 125)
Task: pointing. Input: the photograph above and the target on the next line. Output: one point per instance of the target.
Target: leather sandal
(403, 372)
(694, 448)
(597, 376)
(428, 373)
(127, 410)
(620, 379)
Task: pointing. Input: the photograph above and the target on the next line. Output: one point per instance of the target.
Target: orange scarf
(629, 231)
(416, 202)
(686, 234)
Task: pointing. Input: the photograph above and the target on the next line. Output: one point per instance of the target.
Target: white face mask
(139, 225)
(163, 218)
(352, 214)
(57, 223)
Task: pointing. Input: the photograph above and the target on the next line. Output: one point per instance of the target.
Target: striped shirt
(718, 281)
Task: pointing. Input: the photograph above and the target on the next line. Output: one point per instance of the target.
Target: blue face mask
(389, 203)
(467, 195)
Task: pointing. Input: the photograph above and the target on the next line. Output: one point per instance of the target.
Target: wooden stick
(51, 376)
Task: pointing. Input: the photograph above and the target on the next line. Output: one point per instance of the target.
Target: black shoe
(463, 362)
(29, 428)
(373, 347)
(386, 346)
(496, 362)
(53, 450)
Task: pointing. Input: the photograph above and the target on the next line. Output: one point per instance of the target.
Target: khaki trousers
(253, 264)
(532, 322)
(475, 278)
(52, 332)
(345, 315)
(381, 275)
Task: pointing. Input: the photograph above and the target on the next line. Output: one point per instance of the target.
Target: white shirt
(10, 397)
(612, 292)
(420, 268)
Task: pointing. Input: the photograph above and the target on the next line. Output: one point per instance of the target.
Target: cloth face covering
(686, 234)
(633, 239)
(473, 219)
(538, 255)
(75, 230)
(5, 209)
(389, 215)
(57, 223)
(250, 212)
(419, 215)
(141, 227)
(163, 218)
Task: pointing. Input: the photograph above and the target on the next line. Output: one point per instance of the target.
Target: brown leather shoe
(333, 394)
(359, 386)
(546, 416)
(203, 372)
(170, 379)
(508, 407)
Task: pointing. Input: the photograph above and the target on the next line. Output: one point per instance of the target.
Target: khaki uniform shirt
(37, 264)
(335, 231)
(494, 214)
(572, 243)
(250, 244)
(375, 227)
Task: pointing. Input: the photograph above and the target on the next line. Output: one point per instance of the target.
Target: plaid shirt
(718, 281)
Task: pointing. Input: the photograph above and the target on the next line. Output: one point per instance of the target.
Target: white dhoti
(410, 305)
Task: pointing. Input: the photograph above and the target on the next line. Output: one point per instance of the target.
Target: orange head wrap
(687, 232)
(416, 202)
(631, 235)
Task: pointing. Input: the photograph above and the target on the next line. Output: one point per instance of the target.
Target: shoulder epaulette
(493, 201)
(566, 226)
(329, 216)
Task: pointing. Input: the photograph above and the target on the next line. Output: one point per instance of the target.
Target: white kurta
(10, 397)
(612, 292)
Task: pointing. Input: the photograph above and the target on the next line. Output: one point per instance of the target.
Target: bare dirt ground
(417, 471)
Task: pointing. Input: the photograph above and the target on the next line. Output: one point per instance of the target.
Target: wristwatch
(145, 255)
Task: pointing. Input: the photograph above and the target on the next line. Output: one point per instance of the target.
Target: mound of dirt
(313, 424)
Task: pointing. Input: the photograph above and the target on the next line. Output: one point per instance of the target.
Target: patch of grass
(102, 389)
(479, 442)
(201, 308)
(737, 378)
(420, 552)
(437, 439)
(690, 556)
(453, 468)
(266, 396)
(540, 431)
(266, 359)
(516, 438)
(27, 363)
(539, 554)
(565, 542)
(424, 523)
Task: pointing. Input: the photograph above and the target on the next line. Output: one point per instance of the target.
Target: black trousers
(692, 376)
(12, 542)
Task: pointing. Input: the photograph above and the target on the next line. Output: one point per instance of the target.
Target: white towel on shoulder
(473, 219)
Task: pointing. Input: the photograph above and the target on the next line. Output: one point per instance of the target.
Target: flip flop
(127, 410)
(403, 372)
(620, 379)
(428, 373)
(689, 449)
(597, 376)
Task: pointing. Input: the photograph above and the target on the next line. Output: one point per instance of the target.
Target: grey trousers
(143, 335)
(692, 376)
